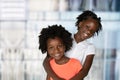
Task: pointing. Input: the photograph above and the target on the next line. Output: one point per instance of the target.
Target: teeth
(85, 34)
(57, 55)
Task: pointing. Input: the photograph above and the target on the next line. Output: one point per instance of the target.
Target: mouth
(84, 36)
(57, 56)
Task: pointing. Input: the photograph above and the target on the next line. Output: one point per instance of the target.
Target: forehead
(55, 40)
(90, 20)
(90, 23)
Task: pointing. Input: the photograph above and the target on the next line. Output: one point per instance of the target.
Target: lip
(57, 56)
(84, 36)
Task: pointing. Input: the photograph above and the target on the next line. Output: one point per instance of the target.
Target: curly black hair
(89, 14)
(52, 32)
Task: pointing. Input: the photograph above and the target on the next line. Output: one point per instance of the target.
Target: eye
(60, 46)
(50, 48)
(87, 27)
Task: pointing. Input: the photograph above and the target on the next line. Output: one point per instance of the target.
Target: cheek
(50, 52)
(82, 30)
(64, 49)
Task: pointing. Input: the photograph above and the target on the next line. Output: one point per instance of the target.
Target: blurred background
(22, 20)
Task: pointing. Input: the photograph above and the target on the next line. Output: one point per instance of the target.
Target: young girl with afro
(56, 41)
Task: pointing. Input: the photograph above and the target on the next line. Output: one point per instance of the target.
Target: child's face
(55, 48)
(87, 28)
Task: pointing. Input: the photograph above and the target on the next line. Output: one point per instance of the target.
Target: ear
(80, 24)
(64, 48)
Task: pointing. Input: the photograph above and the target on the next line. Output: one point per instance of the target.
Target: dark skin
(86, 29)
(56, 46)
(86, 66)
(48, 69)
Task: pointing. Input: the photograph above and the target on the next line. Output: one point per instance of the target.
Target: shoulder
(88, 47)
(85, 44)
(76, 62)
(52, 61)
(73, 60)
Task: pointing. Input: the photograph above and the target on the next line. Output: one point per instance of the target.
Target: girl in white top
(88, 25)
(84, 48)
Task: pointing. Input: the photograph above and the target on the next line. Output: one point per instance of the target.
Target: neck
(77, 38)
(63, 60)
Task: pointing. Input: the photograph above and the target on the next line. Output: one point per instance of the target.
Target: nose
(88, 32)
(56, 50)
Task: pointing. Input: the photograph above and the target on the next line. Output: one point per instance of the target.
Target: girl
(88, 25)
(55, 40)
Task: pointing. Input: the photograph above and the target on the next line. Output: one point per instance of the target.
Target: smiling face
(87, 28)
(55, 48)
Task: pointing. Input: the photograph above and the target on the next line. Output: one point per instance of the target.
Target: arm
(86, 67)
(49, 70)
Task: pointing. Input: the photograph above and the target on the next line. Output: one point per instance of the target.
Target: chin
(57, 59)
